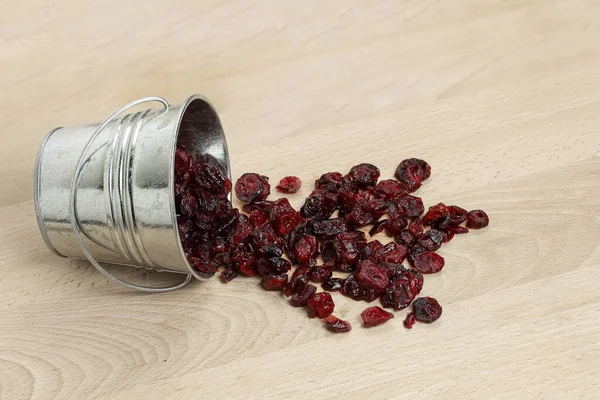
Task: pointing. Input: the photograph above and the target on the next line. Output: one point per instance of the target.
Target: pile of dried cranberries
(325, 240)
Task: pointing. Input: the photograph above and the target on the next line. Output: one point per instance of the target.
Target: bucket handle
(73, 202)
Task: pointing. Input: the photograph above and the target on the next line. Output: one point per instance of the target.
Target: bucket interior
(201, 134)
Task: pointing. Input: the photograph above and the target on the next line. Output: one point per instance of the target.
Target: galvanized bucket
(105, 192)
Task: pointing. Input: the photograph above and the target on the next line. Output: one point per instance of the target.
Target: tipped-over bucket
(105, 191)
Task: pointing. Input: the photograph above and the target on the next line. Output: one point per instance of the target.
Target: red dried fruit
(244, 261)
(228, 275)
(321, 204)
(412, 172)
(435, 213)
(330, 227)
(320, 305)
(182, 161)
(329, 181)
(371, 276)
(412, 205)
(406, 237)
(477, 219)
(252, 187)
(364, 174)
(370, 249)
(391, 253)
(189, 205)
(410, 320)
(274, 282)
(374, 316)
(289, 184)
(333, 284)
(390, 189)
(258, 218)
(305, 248)
(297, 282)
(301, 298)
(242, 229)
(203, 267)
(351, 288)
(272, 266)
(427, 309)
(416, 227)
(265, 243)
(211, 178)
(321, 273)
(334, 324)
(431, 239)
(428, 262)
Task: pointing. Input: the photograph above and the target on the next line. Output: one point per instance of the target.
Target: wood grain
(501, 97)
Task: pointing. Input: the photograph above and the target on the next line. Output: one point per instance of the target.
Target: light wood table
(501, 97)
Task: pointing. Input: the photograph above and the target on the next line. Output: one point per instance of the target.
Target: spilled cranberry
(410, 320)
(289, 184)
(269, 238)
(320, 305)
(477, 219)
(427, 309)
(374, 316)
(334, 324)
(252, 187)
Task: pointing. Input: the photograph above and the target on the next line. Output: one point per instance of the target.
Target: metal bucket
(105, 191)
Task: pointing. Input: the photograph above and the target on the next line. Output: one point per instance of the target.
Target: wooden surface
(501, 97)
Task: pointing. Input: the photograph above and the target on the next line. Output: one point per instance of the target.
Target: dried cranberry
(203, 267)
(351, 288)
(274, 282)
(321, 273)
(297, 282)
(320, 305)
(428, 262)
(477, 219)
(227, 275)
(431, 239)
(319, 205)
(372, 276)
(427, 309)
(289, 184)
(374, 316)
(182, 161)
(266, 243)
(188, 205)
(406, 237)
(456, 216)
(391, 253)
(412, 172)
(435, 213)
(245, 261)
(301, 298)
(370, 249)
(397, 296)
(241, 230)
(364, 174)
(377, 227)
(305, 248)
(329, 181)
(252, 187)
(272, 266)
(258, 218)
(410, 320)
(412, 206)
(390, 189)
(333, 284)
(416, 227)
(330, 227)
(212, 178)
(334, 324)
